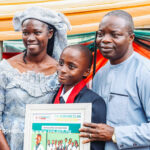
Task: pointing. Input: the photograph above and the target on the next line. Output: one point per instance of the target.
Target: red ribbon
(77, 88)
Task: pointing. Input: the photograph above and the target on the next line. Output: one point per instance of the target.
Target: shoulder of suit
(86, 92)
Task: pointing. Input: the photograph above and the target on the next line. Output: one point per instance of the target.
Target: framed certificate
(55, 126)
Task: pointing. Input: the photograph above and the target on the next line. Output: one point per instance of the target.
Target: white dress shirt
(66, 95)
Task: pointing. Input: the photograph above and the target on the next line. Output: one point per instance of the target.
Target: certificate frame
(55, 120)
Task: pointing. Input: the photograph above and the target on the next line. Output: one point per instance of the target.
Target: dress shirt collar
(66, 95)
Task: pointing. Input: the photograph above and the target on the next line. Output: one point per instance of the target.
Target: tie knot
(61, 99)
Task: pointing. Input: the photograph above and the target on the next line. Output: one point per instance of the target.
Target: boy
(74, 65)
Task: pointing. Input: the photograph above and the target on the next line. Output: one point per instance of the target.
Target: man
(48, 145)
(56, 145)
(124, 83)
(61, 146)
(66, 144)
(38, 143)
(70, 144)
(73, 146)
(76, 145)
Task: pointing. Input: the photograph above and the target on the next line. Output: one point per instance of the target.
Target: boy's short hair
(86, 51)
(124, 15)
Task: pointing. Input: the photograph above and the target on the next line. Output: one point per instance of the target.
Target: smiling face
(73, 66)
(55, 141)
(76, 144)
(35, 35)
(113, 39)
(52, 141)
(48, 142)
(38, 139)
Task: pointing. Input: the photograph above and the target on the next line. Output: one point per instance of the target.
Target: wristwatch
(114, 138)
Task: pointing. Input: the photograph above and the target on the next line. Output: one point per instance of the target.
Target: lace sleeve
(2, 99)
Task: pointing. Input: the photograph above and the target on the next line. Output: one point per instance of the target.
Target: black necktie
(61, 99)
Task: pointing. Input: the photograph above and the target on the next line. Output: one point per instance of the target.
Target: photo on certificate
(55, 126)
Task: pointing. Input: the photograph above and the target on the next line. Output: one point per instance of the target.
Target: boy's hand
(96, 132)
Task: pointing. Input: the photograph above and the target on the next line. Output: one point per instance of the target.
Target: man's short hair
(124, 15)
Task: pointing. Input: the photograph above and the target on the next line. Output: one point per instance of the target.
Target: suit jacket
(98, 110)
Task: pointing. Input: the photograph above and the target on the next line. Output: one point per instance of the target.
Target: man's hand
(96, 132)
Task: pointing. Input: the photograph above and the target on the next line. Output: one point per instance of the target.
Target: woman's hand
(96, 132)
(3, 142)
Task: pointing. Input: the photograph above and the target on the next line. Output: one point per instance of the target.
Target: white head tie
(56, 19)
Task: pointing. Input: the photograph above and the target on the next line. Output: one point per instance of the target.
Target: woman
(30, 77)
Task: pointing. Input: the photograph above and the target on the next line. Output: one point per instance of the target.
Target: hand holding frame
(96, 132)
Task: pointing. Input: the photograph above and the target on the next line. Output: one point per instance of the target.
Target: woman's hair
(50, 44)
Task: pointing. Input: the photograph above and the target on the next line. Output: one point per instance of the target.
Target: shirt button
(110, 97)
(121, 146)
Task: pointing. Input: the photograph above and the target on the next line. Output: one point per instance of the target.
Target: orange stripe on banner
(100, 62)
(141, 50)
